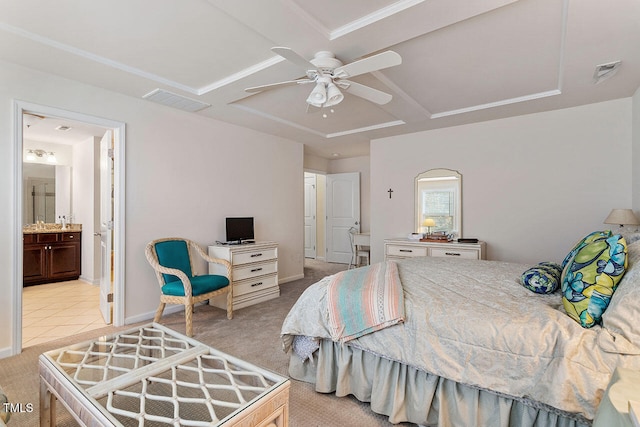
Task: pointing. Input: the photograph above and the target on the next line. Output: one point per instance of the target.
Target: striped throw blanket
(364, 300)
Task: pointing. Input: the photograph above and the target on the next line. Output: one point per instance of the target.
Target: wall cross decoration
(390, 191)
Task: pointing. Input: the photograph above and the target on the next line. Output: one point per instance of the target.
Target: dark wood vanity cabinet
(51, 257)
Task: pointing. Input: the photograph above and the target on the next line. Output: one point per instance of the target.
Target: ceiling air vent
(175, 101)
(605, 71)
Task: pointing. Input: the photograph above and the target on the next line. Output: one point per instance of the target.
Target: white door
(343, 213)
(309, 215)
(106, 226)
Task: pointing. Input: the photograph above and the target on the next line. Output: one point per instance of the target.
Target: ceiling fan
(330, 75)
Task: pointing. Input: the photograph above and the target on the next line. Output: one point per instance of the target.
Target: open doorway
(315, 216)
(75, 201)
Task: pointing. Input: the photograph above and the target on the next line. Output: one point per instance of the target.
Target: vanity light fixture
(33, 155)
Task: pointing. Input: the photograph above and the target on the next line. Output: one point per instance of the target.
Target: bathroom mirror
(438, 196)
(47, 192)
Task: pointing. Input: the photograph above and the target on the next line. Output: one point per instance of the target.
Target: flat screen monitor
(239, 229)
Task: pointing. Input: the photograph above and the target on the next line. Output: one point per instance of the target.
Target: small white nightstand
(614, 409)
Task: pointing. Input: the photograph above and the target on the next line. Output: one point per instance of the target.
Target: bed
(473, 347)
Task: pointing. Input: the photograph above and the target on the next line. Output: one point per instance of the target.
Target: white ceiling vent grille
(175, 101)
(605, 71)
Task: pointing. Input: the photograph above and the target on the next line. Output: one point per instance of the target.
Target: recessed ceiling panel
(335, 13)
(186, 42)
(484, 60)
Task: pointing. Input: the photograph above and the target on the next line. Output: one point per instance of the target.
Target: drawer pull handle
(256, 284)
(255, 255)
(256, 269)
(452, 253)
(406, 250)
(71, 237)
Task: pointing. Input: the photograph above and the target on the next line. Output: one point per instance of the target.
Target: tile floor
(56, 310)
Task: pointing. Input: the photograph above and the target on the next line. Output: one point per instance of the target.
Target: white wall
(85, 192)
(184, 174)
(532, 185)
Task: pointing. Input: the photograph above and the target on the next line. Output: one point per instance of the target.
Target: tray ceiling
(462, 61)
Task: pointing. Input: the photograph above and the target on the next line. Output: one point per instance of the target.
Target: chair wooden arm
(208, 258)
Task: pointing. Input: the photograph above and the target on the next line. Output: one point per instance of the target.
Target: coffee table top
(152, 374)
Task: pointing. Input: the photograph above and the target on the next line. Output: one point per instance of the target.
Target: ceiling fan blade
(277, 85)
(366, 92)
(372, 63)
(290, 55)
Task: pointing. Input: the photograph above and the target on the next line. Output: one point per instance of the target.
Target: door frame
(311, 197)
(20, 107)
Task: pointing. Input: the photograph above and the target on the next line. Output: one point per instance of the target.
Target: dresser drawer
(455, 253)
(47, 237)
(254, 270)
(253, 285)
(406, 251)
(70, 237)
(255, 256)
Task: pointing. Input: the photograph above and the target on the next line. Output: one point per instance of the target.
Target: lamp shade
(318, 95)
(334, 96)
(428, 222)
(622, 217)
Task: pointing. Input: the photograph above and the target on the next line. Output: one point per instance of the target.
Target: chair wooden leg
(230, 305)
(159, 312)
(188, 314)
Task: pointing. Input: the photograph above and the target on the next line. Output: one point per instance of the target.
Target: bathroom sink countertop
(52, 228)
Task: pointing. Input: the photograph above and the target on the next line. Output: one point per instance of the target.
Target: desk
(360, 241)
(162, 377)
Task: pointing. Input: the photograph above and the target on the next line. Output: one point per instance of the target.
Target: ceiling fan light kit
(329, 75)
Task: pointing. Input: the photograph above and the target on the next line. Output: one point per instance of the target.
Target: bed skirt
(406, 394)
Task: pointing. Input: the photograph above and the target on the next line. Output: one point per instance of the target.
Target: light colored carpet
(253, 335)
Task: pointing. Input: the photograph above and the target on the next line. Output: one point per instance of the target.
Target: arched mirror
(438, 198)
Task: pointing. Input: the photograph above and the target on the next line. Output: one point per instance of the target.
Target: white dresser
(405, 248)
(254, 272)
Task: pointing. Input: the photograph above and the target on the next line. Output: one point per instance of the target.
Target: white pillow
(622, 317)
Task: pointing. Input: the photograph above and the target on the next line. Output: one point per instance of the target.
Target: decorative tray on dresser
(406, 248)
(254, 272)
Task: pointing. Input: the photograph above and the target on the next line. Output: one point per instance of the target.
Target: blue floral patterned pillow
(591, 276)
(585, 241)
(544, 278)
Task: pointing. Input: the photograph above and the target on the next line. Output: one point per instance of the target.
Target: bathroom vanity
(51, 254)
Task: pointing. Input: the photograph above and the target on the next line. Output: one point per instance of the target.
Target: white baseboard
(6, 352)
(290, 278)
(89, 281)
(148, 316)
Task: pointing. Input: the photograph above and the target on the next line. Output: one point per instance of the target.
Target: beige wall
(183, 177)
(532, 185)
(636, 151)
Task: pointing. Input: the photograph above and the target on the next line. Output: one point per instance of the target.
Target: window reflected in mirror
(438, 200)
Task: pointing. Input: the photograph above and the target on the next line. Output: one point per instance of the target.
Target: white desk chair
(360, 243)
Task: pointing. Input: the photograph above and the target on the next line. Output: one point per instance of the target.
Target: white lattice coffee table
(153, 376)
